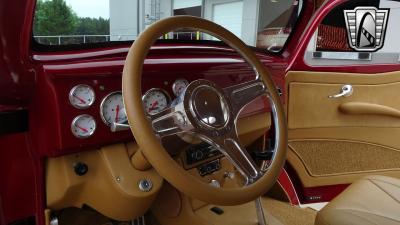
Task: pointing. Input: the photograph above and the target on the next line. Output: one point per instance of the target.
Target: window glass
(331, 42)
(264, 24)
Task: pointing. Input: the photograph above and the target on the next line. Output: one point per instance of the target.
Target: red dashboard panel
(104, 76)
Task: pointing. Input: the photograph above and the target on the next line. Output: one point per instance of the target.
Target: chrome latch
(347, 90)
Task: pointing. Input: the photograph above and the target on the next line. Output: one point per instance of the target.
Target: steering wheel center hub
(209, 106)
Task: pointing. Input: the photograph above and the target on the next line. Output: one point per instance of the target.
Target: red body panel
(297, 62)
(286, 183)
(18, 172)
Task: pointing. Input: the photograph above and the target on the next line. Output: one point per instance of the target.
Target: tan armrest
(358, 108)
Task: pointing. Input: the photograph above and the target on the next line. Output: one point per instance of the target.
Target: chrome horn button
(209, 106)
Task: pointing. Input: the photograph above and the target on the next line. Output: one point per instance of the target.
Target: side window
(357, 32)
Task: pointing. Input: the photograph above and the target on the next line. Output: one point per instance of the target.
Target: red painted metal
(21, 174)
(322, 193)
(297, 62)
(55, 81)
(16, 83)
(18, 184)
(311, 194)
(287, 185)
(298, 194)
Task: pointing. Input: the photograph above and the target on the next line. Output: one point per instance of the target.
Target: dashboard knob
(80, 168)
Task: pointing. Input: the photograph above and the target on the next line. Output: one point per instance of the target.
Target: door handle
(347, 90)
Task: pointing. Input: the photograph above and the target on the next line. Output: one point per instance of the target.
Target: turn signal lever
(119, 127)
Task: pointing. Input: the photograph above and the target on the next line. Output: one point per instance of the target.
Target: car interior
(200, 112)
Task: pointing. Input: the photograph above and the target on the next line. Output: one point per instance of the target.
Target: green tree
(54, 18)
(97, 26)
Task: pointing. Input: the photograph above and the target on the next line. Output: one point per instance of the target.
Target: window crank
(347, 90)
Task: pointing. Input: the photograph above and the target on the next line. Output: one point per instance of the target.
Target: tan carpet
(276, 212)
(289, 215)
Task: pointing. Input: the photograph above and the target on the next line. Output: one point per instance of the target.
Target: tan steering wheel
(206, 110)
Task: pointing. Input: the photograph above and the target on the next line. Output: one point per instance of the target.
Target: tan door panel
(339, 140)
(310, 107)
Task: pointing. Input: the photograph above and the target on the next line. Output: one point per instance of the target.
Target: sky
(90, 8)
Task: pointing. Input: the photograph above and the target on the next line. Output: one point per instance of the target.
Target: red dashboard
(103, 74)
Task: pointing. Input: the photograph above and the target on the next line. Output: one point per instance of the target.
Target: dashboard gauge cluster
(82, 96)
(155, 100)
(112, 109)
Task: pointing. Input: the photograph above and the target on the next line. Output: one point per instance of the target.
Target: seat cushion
(371, 200)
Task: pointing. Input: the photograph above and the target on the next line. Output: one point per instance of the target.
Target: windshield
(265, 24)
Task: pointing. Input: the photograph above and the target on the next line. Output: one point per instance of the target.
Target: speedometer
(112, 109)
(155, 100)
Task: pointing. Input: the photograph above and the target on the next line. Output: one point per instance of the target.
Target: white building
(129, 17)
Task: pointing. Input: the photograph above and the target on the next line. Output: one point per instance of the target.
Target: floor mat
(276, 212)
(289, 215)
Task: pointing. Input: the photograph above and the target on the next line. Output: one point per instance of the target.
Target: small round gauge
(179, 86)
(112, 109)
(83, 126)
(155, 100)
(81, 96)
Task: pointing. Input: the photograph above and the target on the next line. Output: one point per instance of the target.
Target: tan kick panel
(110, 186)
(339, 140)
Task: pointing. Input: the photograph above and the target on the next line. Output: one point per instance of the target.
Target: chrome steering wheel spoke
(239, 157)
(169, 122)
(242, 94)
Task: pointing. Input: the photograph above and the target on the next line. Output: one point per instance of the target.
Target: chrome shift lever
(260, 212)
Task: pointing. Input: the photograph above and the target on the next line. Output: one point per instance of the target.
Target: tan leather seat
(371, 200)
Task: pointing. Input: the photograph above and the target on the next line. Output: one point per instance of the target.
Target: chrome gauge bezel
(175, 83)
(152, 90)
(71, 96)
(76, 119)
(102, 105)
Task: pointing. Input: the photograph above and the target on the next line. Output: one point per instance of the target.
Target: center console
(203, 156)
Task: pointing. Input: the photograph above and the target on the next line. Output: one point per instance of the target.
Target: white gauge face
(81, 96)
(179, 86)
(155, 101)
(112, 109)
(83, 126)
